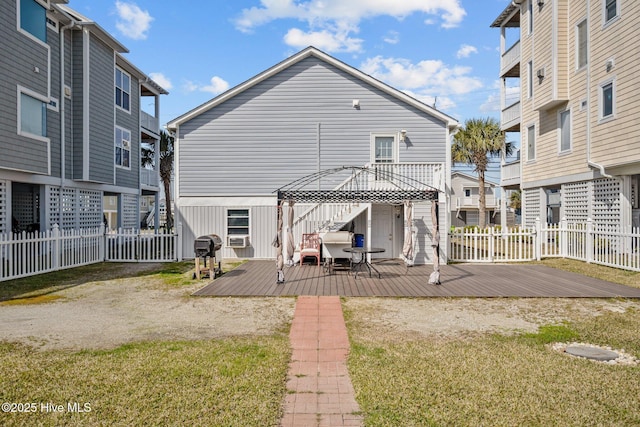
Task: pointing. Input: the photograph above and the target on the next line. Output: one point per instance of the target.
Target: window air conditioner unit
(237, 241)
(126, 144)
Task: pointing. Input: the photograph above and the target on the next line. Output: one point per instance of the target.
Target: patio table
(363, 261)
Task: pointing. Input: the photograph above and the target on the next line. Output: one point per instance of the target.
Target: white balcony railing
(150, 123)
(510, 58)
(149, 177)
(511, 116)
(510, 174)
(491, 201)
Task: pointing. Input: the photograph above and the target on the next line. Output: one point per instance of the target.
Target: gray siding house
(71, 127)
(465, 200)
(309, 114)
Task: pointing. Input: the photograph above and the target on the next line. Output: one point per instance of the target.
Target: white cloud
(324, 40)
(466, 50)
(331, 22)
(162, 80)
(492, 104)
(392, 37)
(433, 74)
(132, 22)
(216, 86)
(189, 86)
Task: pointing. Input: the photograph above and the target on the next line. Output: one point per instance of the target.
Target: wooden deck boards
(258, 278)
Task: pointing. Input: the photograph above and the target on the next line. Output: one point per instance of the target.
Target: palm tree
(473, 145)
(166, 170)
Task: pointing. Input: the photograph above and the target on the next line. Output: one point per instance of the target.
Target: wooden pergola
(398, 189)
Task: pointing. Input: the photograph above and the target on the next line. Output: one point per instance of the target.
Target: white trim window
(123, 90)
(611, 10)
(582, 45)
(384, 148)
(607, 100)
(530, 14)
(564, 118)
(531, 143)
(238, 223)
(123, 148)
(32, 114)
(32, 19)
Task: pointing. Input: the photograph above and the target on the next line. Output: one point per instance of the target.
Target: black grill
(206, 247)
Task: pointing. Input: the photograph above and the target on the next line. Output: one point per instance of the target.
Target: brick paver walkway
(319, 388)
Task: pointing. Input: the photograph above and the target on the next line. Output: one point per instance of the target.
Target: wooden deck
(258, 278)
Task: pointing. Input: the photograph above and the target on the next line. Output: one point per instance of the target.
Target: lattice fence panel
(575, 201)
(531, 203)
(69, 207)
(90, 208)
(53, 205)
(130, 211)
(606, 202)
(4, 206)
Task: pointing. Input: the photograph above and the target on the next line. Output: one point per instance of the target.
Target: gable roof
(313, 52)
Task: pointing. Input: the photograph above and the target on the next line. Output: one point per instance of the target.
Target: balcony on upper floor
(149, 179)
(510, 61)
(150, 125)
(510, 118)
(510, 175)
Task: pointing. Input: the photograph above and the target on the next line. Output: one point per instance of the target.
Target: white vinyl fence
(27, 254)
(615, 247)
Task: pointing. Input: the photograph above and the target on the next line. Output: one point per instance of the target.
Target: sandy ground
(105, 314)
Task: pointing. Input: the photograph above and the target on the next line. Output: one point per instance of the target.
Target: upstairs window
(33, 19)
(383, 150)
(123, 90)
(565, 131)
(123, 148)
(607, 99)
(610, 10)
(581, 44)
(529, 79)
(530, 13)
(531, 143)
(32, 118)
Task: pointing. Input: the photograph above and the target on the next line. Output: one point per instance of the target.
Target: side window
(531, 143)
(565, 131)
(238, 222)
(123, 90)
(123, 148)
(32, 116)
(530, 79)
(530, 13)
(607, 100)
(581, 44)
(33, 19)
(610, 10)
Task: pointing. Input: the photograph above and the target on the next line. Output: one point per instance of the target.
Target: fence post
(57, 247)
(102, 248)
(589, 240)
(491, 244)
(537, 239)
(179, 241)
(563, 235)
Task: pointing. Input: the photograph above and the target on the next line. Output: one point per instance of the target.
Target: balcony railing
(510, 119)
(150, 123)
(491, 201)
(510, 174)
(510, 59)
(149, 177)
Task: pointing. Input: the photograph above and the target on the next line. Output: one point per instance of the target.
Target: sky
(442, 52)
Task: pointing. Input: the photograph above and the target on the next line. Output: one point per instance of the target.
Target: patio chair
(310, 247)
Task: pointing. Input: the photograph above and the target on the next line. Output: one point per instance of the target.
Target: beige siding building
(578, 113)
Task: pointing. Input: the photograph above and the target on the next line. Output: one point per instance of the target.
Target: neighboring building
(465, 200)
(71, 124)
(575, 64)
(308, 114)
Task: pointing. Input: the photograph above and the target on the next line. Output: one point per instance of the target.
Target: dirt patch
(108, 313)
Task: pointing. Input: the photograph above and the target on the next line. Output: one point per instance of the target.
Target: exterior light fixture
(403, 135)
